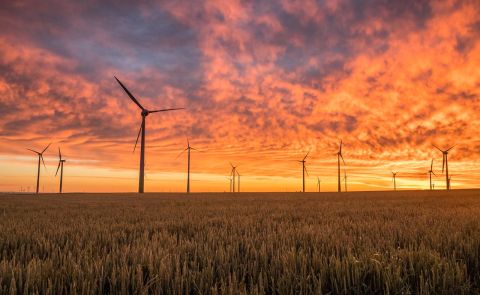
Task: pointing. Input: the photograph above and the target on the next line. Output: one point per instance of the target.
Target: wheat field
(411, 242)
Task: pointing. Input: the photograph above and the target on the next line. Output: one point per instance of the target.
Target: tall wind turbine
(339, 155)
(232, 173)
(445, 164)
(189, 148)
(304, 170)
(144, 114)
(318, 183)
(394, 180)
(60, 166)
(430, 172)
(40, 157)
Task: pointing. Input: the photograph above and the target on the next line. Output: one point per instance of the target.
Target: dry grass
(371, 243)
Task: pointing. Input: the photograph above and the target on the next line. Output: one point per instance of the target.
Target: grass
(364, 243)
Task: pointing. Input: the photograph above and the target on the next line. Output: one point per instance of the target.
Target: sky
(263, 83)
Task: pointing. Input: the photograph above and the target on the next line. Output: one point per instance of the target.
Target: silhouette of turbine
(339, 155)
(445, 164)
(144, 114)
(60, 166)
(318, 183)
(430, 172)
(238, 184)
(304, 170)
(188, 165)
(233, 172)
(40, 158)
(394, 180)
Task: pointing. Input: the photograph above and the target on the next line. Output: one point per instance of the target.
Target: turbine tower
(304, 170)
(144, 114)
(189, 148)
(394, 180)
(233, 172)
(60, 166)
(40, 158)
(339, 155)
(430, 172)
(445, 164)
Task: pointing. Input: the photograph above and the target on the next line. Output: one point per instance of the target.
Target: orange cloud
(262, 83)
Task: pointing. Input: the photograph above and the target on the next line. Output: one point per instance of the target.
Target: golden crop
(255, 243)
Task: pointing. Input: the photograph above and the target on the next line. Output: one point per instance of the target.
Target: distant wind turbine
(233, 172)
(445, 164)
(339, 155)
(430, 172)
(304, 170)
(394, 180)
(188, 165)
(318, 183)
(144, 114)
(40, 158)
(60, 166)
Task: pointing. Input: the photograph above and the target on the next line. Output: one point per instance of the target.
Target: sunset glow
(262, 83)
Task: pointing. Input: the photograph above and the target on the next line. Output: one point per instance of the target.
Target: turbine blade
(129, 94)
(46, 148)
(340, 151)
(181, 153)
(306, 171)
(437, 148)
(451, 148)
(59, 154)
(434, 173)
(342, 159)
(138, 136)
(196, 150)
(58, 168)
(431, 166)
(41, 157)
(306, 155)
(33, 151)
(443, 165)
(166, 110)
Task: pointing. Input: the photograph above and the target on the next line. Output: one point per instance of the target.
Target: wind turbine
(238, 184)
(345, 178)
(318, 183)
(339, 155)
(394, 180)
(430, 172)
(60, 166)
(40, 157)
(232, 173)
(144, 114)
(304, 170)
(445, 164)
(188, 165)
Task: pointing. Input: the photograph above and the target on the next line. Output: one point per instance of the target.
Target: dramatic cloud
(263, 82)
